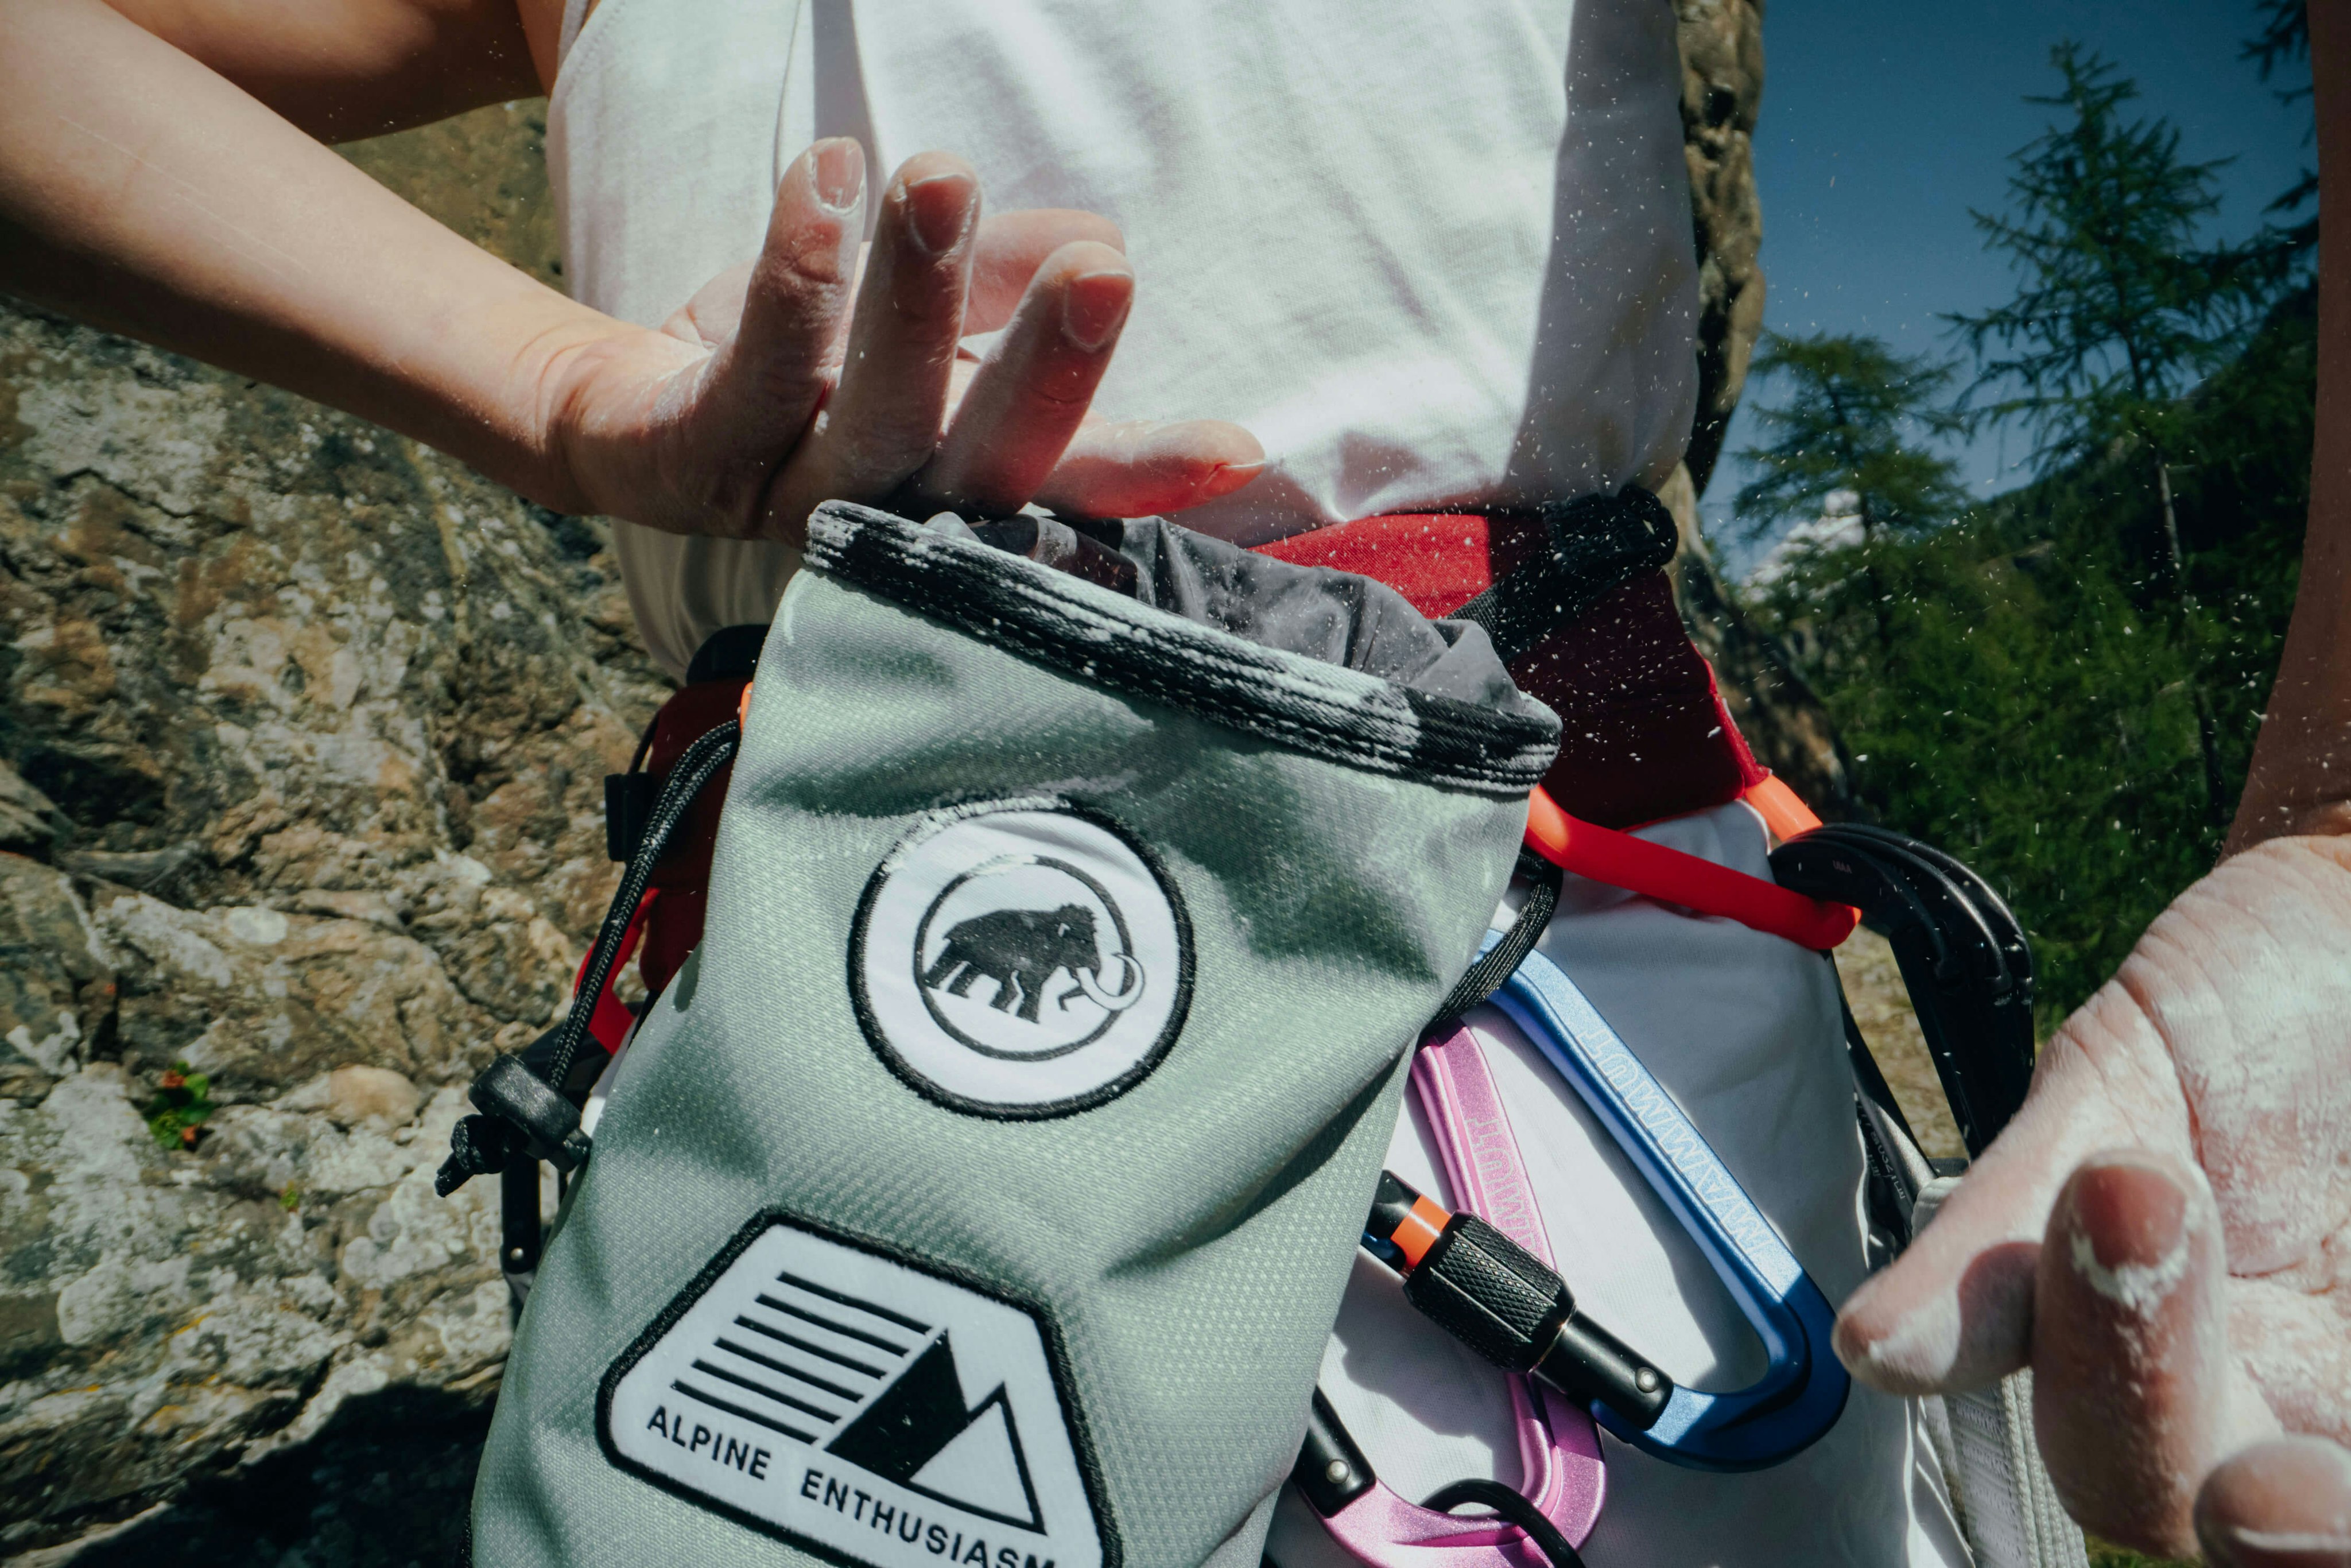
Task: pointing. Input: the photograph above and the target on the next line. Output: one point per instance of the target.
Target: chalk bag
(982, 1189)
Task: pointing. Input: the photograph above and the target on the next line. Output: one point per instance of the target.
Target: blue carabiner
(1803, 1391)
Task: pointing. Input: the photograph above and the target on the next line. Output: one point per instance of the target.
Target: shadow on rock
(386, 1483)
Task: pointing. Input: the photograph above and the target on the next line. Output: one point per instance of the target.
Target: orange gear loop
(1670, 876)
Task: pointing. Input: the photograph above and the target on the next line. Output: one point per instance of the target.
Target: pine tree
(2282, 43)
(1843, 438)
(2283, 39)
(1844, 429)
(2119, 310)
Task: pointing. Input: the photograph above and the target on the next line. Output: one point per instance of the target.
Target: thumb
(2136, 1393)
(1955, 1311)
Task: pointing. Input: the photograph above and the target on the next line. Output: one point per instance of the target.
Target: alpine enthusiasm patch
(1020, 960)
(858, 1405)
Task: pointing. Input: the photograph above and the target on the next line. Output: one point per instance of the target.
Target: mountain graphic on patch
(919, 1433)
(874, 1409)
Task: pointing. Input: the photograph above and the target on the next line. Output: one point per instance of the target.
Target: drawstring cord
(525, 1113)
(1511, 1506)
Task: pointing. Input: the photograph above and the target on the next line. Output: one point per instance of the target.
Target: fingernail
(1092, 306)
(2128, 1240)
(1908, 1351)
(837, 170)
(940, 209)
(2279, 1503)
(2237, 1546)
(1230, 477)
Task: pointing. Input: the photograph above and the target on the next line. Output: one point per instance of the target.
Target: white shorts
(1744, 1030)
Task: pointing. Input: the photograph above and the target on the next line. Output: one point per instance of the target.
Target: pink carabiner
(1562, 1473)
(1559, 1446)
(1384, 1531)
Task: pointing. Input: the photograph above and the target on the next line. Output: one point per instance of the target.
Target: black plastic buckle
(549, 1123)
(1596, 544)
(1963, 957)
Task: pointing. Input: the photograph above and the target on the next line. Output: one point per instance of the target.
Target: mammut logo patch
(1020, 960)
(854, 1402)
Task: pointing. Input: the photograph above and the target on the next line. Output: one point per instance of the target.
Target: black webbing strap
(1498, 963)
(1597, 544)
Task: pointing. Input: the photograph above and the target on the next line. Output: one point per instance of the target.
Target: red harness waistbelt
(1643, 732)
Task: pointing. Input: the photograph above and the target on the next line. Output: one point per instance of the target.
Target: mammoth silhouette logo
(1021, 949)
(1025, 959)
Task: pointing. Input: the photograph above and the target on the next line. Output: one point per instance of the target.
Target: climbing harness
(852, 1247)
(1617, 859)
(1574, 595)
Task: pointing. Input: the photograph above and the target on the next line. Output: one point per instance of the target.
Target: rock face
(301, 737)
(1722, 88)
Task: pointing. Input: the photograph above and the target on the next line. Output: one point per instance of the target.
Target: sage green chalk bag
(982, 1189)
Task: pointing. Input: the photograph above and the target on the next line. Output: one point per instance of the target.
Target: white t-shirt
(1430, 255)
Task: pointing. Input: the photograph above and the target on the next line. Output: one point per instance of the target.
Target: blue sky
(1884, 122)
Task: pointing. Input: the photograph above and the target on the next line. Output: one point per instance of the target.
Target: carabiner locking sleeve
(1507, 1304)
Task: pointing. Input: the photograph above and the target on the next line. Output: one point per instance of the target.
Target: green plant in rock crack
(180, 1106)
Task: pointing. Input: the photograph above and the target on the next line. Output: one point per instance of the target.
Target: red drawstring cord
(1670, 876)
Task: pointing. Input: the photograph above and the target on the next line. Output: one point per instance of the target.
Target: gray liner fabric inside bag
(982, 1189)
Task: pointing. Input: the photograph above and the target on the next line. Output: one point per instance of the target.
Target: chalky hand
(2163, 1234)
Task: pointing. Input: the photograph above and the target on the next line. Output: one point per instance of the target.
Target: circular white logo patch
(1022, 960)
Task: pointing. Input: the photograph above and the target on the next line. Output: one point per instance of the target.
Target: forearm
(2300, 781)
(142, 191)
(342, 69)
